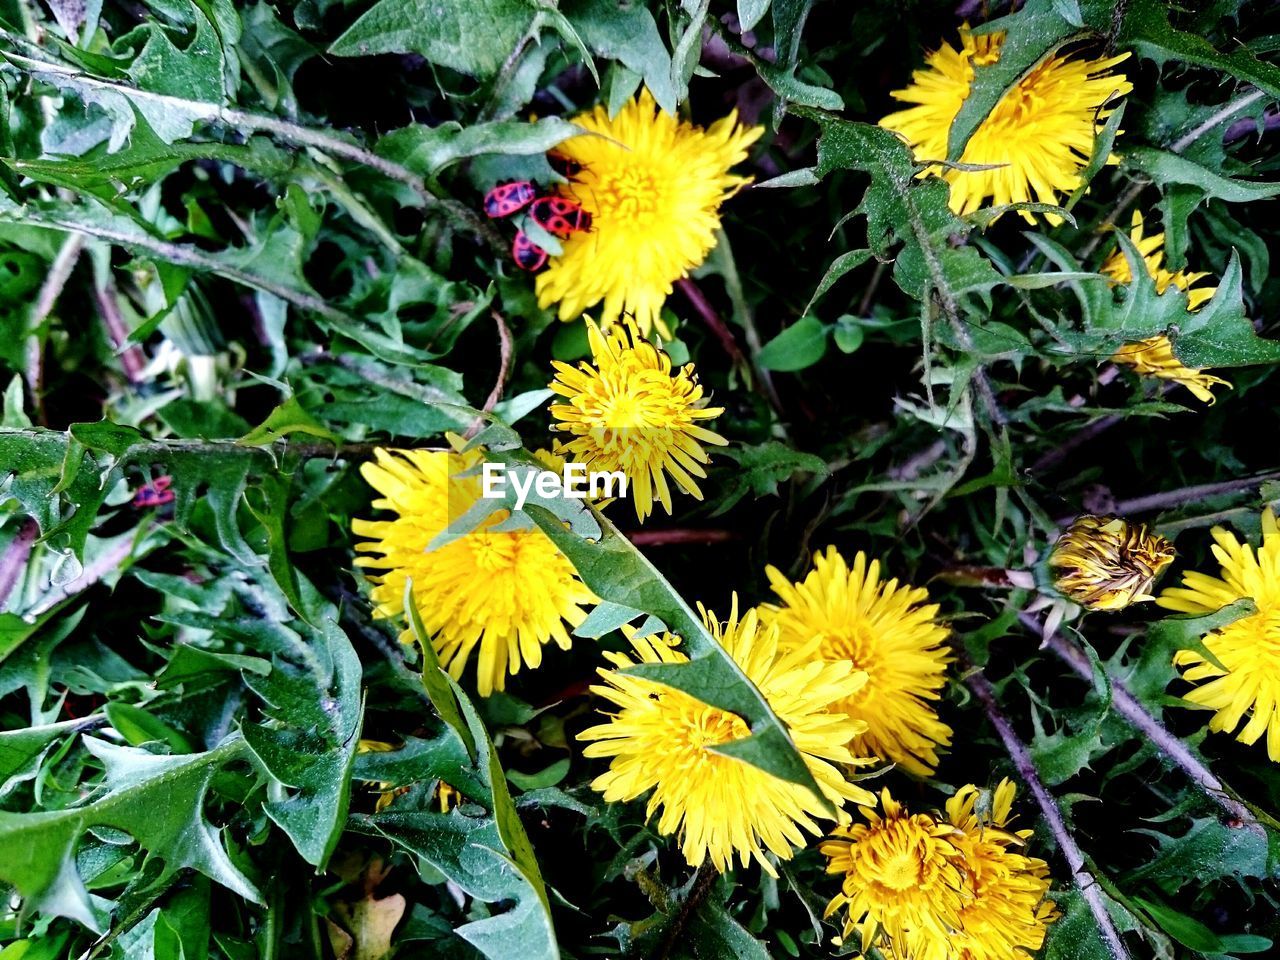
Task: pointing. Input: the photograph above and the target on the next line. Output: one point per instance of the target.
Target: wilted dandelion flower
(1041, 132)
(1004, 911)
(660, 740)
(901, 880)
(883, 628)
(653, 186)
(1154, 356)
(506, 591)
(955, 888)
(1105, 563)
(1248, 649)
(1117, 267)
(630, 411)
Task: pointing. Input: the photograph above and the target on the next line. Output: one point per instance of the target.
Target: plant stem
(1234, 107)
(50, 290)
(504, 366)
(187, 255)
(14, 559)
(290, 132)
(1171, 498)
(1140, 183)
(504, 362)
(662, 538)
(131, 357)
(1127, 705)
(1026, 768)
(703, 880)
(702, 307)
(1082, 436)
(109, 562)
(158, 448)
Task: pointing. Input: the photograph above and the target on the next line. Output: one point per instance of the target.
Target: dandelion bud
(1105, 563)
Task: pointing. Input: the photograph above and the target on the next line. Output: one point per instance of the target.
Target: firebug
(508, 198)
(560, 216)
(527, 254)
(155, 493)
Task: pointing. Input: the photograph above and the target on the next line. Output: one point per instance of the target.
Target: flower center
(901, 871)
(705, 727)
(492, 551)
(629, 197)
(851, 644)
(625, 411)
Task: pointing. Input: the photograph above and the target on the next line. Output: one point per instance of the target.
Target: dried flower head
(1105, 563)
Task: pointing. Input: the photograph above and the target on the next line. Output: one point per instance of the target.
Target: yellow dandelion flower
(506, 591)
(1041, 132)
(1105, 563)
(1116, 266)
(901, 881)
(920, 887)
(885, 629)
(653, 186)
(1248, 649)
(1154, 356)
(1004, 912)
(629, 411)
(660, 740)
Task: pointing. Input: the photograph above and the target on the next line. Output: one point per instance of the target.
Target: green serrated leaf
(157, 800)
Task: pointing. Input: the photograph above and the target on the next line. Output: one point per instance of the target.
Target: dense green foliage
(241, 245)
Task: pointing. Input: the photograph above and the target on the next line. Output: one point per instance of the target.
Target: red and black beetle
(508, 198)
(569, 169)
(155, 493)
(560, 216)
(527, 254)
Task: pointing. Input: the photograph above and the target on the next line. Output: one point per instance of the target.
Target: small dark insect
(569, 169)
(154, 494)
(508, 198)
(527, 254)
(560, 216)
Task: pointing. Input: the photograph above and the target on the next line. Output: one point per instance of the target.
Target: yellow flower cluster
(852, 665)
(662, 740)
(853, 662)
(920, 887)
